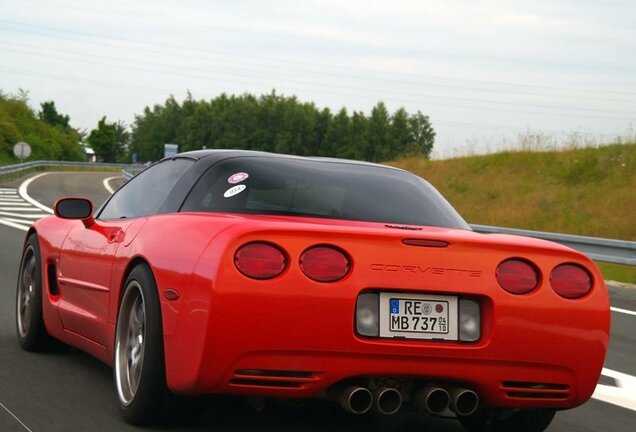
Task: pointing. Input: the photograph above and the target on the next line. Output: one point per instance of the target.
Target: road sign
(170, 150)
(22, 150)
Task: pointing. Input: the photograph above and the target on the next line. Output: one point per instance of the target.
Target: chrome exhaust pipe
(463, 402)
(388, 400)
(432, 400)
(355, 400)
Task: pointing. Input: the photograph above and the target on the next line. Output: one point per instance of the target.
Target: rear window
(326, 189)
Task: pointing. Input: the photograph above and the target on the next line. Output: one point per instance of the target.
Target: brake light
(260, 260)
(570, 281)
(325, 263)
(425, 243)
(517, 276)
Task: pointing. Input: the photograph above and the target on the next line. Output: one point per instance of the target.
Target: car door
(87, 255)
(84, 277)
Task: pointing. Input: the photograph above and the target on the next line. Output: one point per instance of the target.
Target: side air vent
(52, 279)
(271, 378)
(532, 390)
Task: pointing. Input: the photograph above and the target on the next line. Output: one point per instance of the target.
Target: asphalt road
(67, 390)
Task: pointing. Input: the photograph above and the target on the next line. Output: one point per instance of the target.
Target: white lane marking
(15, 220)
(107, 185)
(624, 311)
(23, 215)
(27, 208)
(15, 417)
(623, 395)
(25, 195)
(14, 225)
(17, 213)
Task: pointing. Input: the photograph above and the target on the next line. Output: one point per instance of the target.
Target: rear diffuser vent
(271, 378)
(533, 390)
(274, 373)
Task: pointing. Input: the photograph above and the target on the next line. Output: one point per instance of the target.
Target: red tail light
(517, 276)
(570, 281)
(260, 260)
(324, 263)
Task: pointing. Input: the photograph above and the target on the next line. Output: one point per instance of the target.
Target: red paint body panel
(224, 322)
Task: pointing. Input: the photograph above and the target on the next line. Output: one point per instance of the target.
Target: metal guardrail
(10, 169)
(131, 171)
(599, 249)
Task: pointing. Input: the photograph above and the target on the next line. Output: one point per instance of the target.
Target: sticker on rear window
(237, 178)
(234, 190)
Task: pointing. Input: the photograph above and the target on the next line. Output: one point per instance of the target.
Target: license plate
(418, 316)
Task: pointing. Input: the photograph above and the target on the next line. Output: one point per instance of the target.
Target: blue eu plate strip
(395, 306)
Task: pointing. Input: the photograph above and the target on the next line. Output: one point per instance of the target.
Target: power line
(322, 86)
(357, 77)
(99, 83)
(463, 56)
(294, 64)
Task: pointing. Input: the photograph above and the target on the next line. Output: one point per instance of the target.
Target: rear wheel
(139, 369)
(528, 420)
(29, 322)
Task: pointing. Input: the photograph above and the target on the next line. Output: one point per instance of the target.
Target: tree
(49, 114)
(422, 135)
(337, 136)
(109, 140)
(277, 123)
(399, 134)
(379, 147)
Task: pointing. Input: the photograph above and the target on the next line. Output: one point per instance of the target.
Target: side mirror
(75, 208)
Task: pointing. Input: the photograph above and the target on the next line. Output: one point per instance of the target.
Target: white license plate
(418, 316)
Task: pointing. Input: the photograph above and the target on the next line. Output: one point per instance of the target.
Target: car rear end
(437, 317)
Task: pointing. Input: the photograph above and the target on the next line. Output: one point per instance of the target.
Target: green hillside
(583, 191)
(18, 122)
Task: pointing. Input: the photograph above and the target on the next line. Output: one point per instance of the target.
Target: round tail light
(260, 260)
(324, 263)
(570, 281)
(517, 276)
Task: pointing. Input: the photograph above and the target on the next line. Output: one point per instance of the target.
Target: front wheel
(29, 322)
(527, 420)
(139, 367)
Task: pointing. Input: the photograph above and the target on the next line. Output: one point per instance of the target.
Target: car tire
(138, 364)
(30, 328)
(526, 420)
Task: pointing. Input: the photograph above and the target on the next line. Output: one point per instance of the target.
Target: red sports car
(263, 275)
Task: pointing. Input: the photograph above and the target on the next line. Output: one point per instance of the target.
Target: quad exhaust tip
(388, 400)
(356, 400)
(463, 402)
(432, 400)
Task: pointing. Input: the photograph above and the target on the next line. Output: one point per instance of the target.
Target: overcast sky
(484, 71)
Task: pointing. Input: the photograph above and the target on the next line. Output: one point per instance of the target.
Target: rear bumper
(292, 337)
(497, 382)
(283, 346)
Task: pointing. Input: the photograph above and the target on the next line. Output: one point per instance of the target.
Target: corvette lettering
(416, 269)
